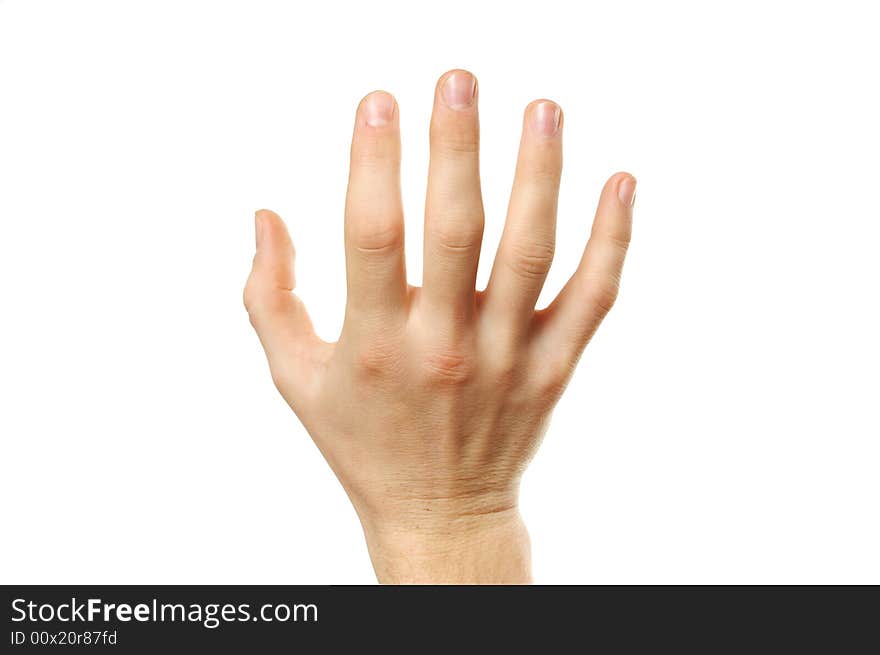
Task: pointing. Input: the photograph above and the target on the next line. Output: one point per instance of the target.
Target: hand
(434, 399)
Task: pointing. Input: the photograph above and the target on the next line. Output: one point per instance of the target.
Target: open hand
(433, 400)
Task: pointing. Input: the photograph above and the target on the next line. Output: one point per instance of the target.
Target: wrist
(484, 548)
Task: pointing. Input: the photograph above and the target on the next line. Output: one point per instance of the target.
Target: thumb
(278, 316)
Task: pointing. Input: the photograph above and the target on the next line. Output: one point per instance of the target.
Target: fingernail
(626, 191)
(458, 90)
(545, 118)
(378, 109)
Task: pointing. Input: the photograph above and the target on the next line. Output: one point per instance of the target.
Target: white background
(723, 425)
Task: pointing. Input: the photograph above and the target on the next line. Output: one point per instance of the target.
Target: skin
(432, 402)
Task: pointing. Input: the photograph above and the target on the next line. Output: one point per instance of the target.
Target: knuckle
(507, 370)
(374, 151)
(603, 295)
(251, 299)
(620, 238)
(262, 305)
(543, 172)
(456, 234)
(247, 297)
(376, 235)
(280, 377)
(552, 380)
(249, 294)
(455, 142)
(447, 366)
(377, 359)
(505, 356)
(456, 147)
(531, 260)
